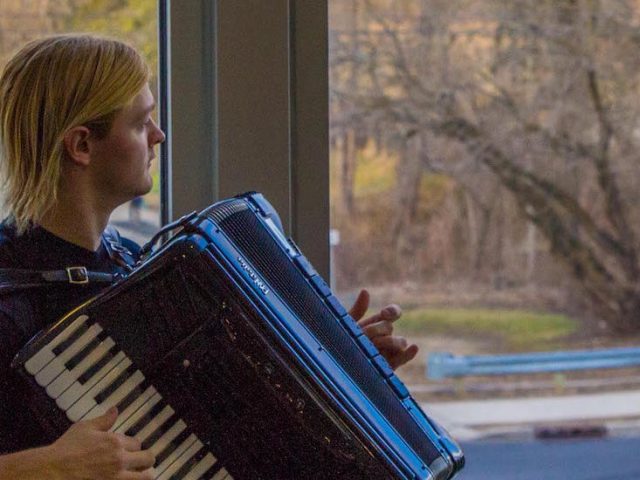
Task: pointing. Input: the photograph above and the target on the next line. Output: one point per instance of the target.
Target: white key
(138, 414)
(167, 437)
(56, 366)
(180, 449)
(222, 475)
(154, 423)
(122, 391)
(45, 355)
(180, 460)
(76, 390)
(87, 401)
(135, 405)
(202, 466)
(66, 378)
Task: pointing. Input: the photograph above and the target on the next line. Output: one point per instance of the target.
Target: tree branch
(614, 207)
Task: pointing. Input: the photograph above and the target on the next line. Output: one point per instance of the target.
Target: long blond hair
(49, 86)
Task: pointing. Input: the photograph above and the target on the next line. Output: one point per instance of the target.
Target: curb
(547, 418)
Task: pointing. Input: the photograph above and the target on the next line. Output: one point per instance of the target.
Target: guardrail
(444, 364)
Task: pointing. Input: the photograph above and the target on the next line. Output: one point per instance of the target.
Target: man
(77, 139)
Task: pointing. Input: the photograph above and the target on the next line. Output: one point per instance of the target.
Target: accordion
(228, 357)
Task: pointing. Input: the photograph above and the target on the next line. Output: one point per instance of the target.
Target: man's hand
(88, 450)
(379, 329)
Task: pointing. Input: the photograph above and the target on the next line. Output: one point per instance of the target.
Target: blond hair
(50, 86)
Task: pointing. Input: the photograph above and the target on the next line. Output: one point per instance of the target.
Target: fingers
(390, 313)
(390, 343)
(406, 356)
(104, 422)
(129, 444)
(100, 453)
(134, 458)
(139, 461)
(396, 350)
(399, 358)
(360, 306)
(377, 329)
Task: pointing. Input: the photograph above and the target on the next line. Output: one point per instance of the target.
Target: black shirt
(24, 314)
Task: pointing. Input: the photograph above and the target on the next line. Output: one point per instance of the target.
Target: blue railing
(443, 364)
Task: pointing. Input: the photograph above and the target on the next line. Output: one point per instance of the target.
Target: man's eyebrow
(150, 108)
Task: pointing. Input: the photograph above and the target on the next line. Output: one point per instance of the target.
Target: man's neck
(79, 224)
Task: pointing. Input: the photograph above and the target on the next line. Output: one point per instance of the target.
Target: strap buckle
(77, 275)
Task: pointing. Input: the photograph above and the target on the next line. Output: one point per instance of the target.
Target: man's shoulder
(16, 305)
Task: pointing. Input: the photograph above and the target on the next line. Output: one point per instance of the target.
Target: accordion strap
(118, 253)
(14, 279)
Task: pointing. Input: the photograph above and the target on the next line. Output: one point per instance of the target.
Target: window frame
(247, 109)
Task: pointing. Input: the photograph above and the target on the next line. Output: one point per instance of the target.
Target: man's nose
(157, 136)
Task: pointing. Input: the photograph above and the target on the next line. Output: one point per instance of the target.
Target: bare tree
(538, 94)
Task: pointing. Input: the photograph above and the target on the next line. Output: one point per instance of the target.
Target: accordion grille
(263, 252)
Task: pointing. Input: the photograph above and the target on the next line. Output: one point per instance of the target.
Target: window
(484, 174)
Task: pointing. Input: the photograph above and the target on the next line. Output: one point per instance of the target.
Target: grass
(518, 330)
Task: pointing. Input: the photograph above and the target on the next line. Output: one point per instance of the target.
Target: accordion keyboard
(85, 372)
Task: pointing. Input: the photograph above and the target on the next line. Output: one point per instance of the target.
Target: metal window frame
(244, 102)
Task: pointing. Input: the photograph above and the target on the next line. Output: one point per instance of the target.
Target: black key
(81, 355)
(62, 346)
(168, 450)
(113, 386)
(95, 368)
(182, 471)
(161, 430)
(146, 418)
(131, 397)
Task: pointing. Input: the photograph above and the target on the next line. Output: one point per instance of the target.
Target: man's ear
(77, 145)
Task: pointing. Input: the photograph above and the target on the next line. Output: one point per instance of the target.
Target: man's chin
(146, 188)
(137, 193)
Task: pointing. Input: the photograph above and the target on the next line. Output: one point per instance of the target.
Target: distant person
(135, 209)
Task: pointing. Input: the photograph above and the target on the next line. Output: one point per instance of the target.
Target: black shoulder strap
(116, 250)
(14, 280)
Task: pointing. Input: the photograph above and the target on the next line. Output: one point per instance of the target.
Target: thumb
(360, 306)
(104, 422)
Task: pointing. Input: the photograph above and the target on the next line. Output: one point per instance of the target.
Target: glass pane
(134, 21)
(484, 175)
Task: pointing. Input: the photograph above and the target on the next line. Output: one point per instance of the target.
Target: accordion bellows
(228, 356)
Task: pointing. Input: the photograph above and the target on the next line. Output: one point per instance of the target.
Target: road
(593, 459)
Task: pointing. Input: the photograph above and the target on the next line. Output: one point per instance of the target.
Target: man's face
(122, 159)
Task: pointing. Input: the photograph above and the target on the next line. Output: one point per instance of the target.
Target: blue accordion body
(247, 355)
